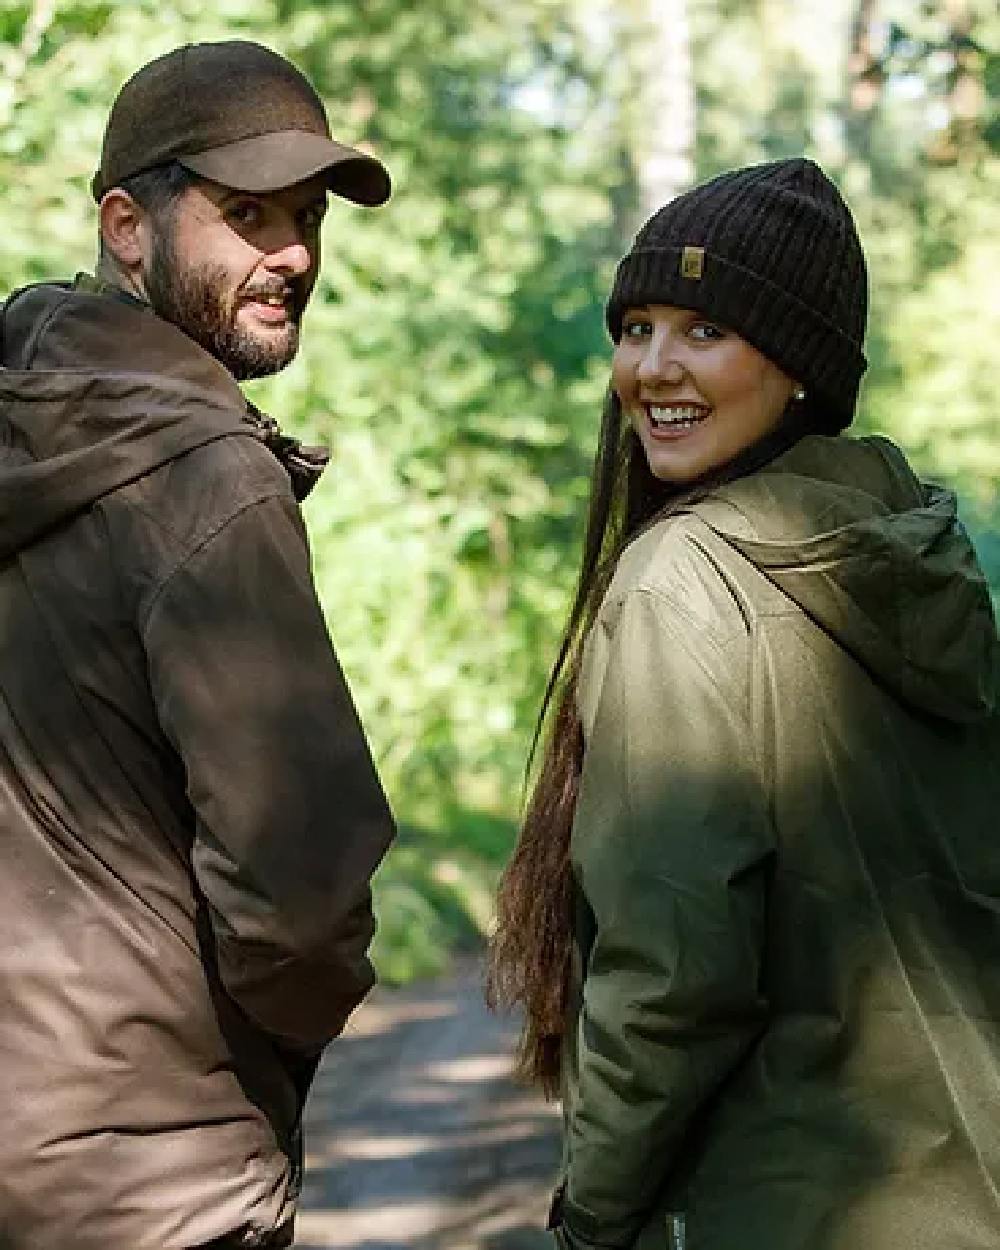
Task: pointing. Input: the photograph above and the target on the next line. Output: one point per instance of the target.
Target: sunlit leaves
(454, 354)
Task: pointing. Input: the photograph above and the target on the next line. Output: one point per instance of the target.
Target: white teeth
(676, 417)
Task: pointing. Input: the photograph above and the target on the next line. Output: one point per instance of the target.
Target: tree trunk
(866, 78)
(664, 125)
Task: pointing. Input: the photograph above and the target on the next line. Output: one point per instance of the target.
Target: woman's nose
(660, 363)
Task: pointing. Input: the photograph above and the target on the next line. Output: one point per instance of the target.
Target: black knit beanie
(771, 252)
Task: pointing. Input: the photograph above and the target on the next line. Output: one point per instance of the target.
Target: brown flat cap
(238, 114)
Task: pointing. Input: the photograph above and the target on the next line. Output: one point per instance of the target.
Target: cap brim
(281, 159)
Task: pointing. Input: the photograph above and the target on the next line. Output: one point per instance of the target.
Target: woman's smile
(669, 421)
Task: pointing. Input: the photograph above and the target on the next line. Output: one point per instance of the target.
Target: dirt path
(416, 1136)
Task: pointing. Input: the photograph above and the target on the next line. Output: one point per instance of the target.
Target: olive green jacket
(785, 1029)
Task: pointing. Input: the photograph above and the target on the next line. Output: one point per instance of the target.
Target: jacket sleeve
(290, 817)
(670, 846)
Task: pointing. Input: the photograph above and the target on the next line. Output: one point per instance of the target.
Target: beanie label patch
(693, 263)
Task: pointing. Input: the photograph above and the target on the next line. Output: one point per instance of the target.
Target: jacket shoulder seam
(162, 524)
(203, 540)
(687, 528)
(44, 323)
(751, 609)
(707, 629)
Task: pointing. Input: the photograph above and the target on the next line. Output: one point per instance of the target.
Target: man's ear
(125, 229)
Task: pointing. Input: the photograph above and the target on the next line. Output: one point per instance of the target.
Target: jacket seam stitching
(718, 639)
(646, 585)
(203, 541)
(32, 345)
(164, 526)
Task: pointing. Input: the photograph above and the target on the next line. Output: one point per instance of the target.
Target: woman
(754, 914)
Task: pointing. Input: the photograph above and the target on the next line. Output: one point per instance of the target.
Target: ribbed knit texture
(782, 267)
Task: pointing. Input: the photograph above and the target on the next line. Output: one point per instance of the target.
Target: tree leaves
(455, 356)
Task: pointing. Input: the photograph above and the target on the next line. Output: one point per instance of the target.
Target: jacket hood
(879, 560)
(95, 391)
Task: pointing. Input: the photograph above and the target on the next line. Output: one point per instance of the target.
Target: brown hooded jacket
(190, 814)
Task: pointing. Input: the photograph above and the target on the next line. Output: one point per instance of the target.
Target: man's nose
(290, 256)
(660, 362)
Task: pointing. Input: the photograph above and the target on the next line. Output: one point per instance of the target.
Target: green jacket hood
(879, 560)
(96, 391)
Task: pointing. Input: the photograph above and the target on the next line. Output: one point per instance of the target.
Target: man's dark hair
(156, 190)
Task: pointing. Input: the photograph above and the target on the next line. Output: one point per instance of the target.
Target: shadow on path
(416, 1136)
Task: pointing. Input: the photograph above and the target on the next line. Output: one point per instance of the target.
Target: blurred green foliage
(454, 356)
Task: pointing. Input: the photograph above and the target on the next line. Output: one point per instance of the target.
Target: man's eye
(312, 218)
(244, 213)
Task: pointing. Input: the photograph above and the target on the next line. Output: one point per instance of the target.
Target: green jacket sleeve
(290, 818)
(670, 848)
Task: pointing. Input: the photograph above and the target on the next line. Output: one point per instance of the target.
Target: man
(189, 813)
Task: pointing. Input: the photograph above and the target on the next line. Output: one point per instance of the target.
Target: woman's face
(696, 393)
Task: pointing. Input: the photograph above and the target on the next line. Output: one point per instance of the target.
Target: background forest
(455, 355)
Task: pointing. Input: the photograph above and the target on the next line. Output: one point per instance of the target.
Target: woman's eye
(705, 331)
(636, 329)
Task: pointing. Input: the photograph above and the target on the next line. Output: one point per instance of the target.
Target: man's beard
(197, 300)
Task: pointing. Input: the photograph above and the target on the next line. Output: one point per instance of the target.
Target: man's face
(235, 270)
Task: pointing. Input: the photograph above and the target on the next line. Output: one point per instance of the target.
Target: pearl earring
(800, 393)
